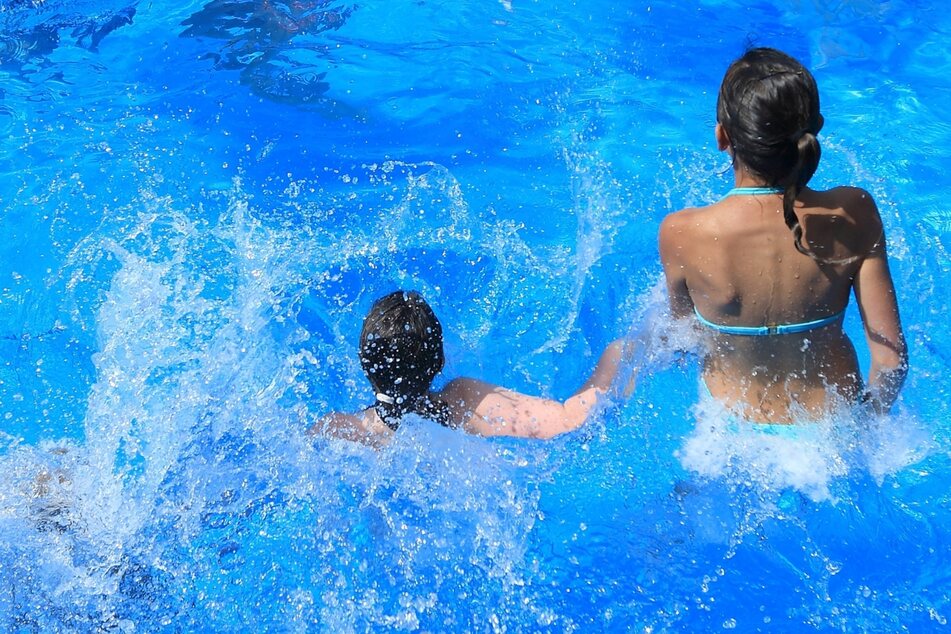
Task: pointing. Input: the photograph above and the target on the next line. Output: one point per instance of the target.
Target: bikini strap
(773, 329)
(753, 191)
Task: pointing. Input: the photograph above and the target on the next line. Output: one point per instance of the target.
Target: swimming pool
(200, 201)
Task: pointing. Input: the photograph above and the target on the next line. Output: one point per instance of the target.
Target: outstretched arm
(615, 355)
(671, 242)
(490, 410)
(875, 295)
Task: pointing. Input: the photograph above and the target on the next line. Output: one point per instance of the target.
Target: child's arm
(491, 410)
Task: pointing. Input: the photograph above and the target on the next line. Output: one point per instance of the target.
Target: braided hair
(401, 353)
(769, 107)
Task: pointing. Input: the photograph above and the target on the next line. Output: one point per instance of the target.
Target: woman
(768, 269)
(401, 351)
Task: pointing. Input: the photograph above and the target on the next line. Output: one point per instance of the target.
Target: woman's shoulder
(686, 214)
(847, 214)
(686, 219)
(681, 229)
(844, 199)
(852, 203)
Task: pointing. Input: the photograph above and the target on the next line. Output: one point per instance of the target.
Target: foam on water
(194, 432)
(219, 332)
(808, 457)
(211, 319)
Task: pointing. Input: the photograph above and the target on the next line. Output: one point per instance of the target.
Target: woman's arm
(490, 410)
(875, 295)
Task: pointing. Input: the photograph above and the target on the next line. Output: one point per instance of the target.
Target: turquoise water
(199, 203)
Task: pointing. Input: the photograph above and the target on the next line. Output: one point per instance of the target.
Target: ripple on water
(7, 120)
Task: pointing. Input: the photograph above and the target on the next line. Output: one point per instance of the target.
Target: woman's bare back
(735, 263)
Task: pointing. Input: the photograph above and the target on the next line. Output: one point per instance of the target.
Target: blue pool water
(199, 202)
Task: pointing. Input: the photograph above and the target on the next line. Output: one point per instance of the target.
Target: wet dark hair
(401, 352)
(769, 107)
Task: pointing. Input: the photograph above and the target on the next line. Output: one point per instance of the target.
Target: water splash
(194, 461)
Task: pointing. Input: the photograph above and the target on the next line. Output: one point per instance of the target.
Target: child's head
(401, 349)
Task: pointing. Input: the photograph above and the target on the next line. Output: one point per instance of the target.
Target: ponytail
(807, 160)
(769, 108)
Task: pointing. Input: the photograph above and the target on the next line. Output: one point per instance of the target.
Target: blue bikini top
(774, 329)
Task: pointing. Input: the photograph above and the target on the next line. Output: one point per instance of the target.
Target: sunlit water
(199, 203)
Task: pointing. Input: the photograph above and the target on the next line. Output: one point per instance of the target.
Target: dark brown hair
(401, 353)
(769, 107)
